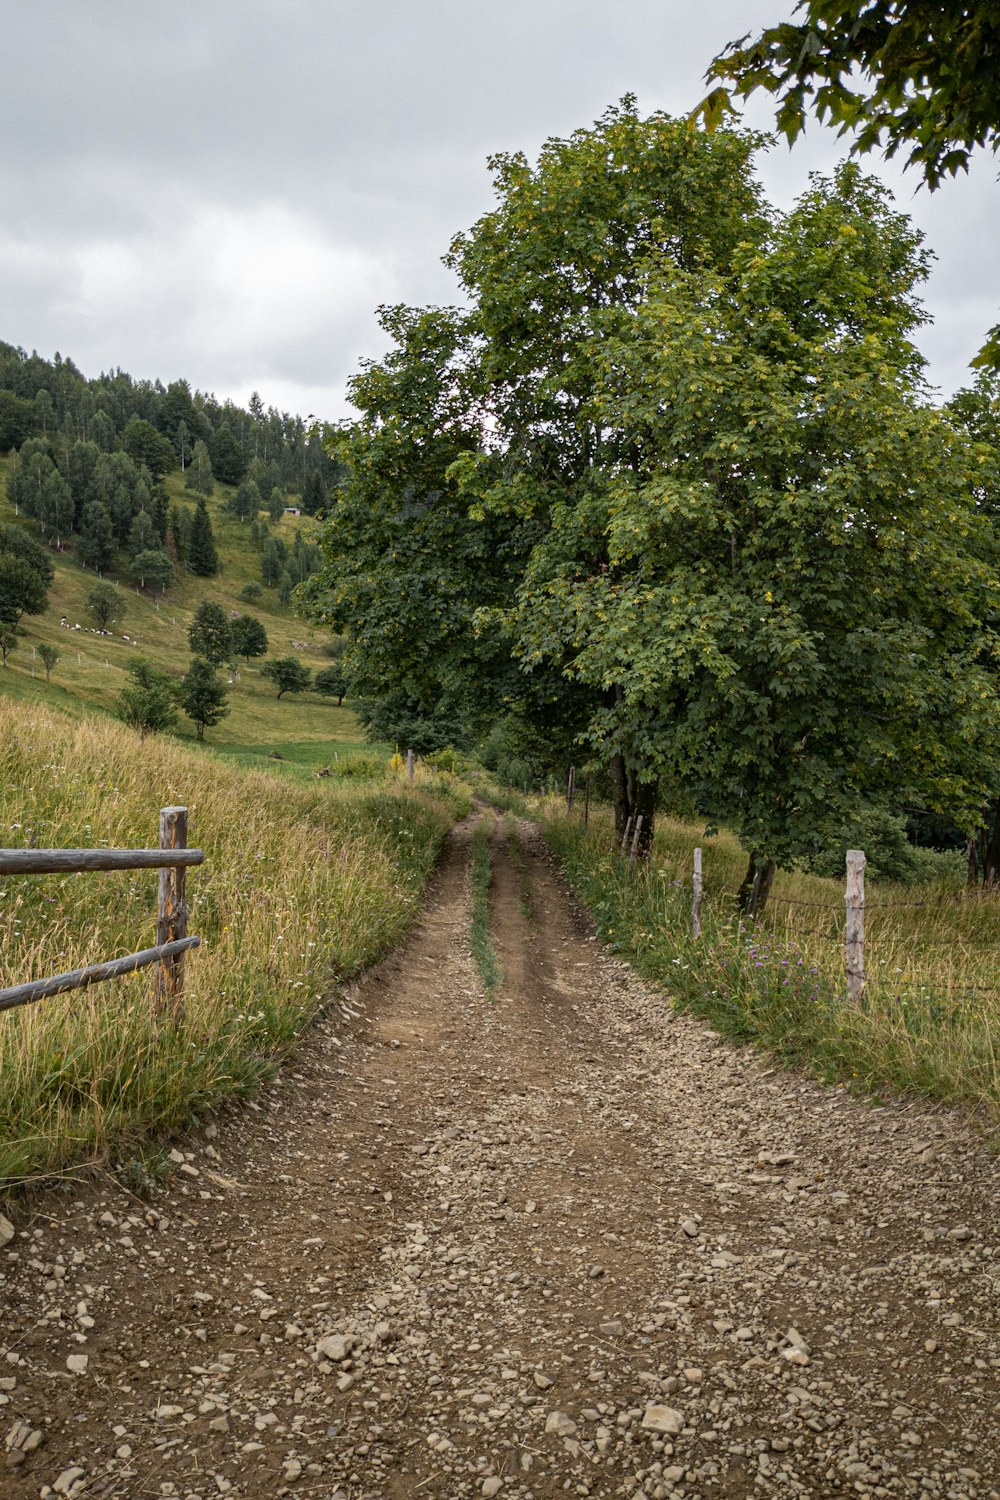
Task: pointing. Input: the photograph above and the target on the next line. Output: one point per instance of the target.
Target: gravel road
(561, 1242)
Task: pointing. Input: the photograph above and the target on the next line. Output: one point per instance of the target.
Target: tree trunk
(619, 795)
(991, 864)
(972, 859)
(632, 798)
(645, 807)
(751, 898)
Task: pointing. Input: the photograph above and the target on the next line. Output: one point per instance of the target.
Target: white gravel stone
(666, 1420)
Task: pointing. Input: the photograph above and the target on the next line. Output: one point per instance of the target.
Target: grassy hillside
(307, 729)
(303, 883)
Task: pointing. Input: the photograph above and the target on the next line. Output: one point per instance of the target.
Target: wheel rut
(560, 1240)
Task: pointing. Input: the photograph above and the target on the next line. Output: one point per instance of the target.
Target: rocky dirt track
(561, 1242)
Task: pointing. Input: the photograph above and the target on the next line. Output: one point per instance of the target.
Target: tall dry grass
(930, 1017)
(302, 884)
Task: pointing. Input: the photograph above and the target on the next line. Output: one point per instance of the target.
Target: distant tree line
(90, 458)
(159, 426)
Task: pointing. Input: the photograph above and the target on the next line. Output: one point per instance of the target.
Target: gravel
(562, 1242)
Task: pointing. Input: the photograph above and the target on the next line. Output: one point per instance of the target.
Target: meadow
(930, 1014)
(308, 729)
(304, 882)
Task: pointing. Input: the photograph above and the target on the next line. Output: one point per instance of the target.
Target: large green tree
(199, 474)
(674, 463)
(144, 445)
(105, 604)
(479, 423)
(792, 603)
(96, 546)
(248, 637)
(152, 567)
(148, 702)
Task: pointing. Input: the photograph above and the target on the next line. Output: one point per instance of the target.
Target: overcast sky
(226, 189)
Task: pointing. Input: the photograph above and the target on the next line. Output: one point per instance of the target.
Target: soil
(561, 1241)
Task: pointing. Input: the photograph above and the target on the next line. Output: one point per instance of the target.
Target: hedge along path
(467, 1248)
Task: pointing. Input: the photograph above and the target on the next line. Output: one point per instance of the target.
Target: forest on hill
(131, 512)
(91, 457)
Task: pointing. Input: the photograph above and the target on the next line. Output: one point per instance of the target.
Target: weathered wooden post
(570, 789)
(409, 765)
(172, 913)
(696, 896)
(628, 834)
(635, 840)
(854, 943)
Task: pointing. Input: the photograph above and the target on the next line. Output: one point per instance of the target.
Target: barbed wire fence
(850, 921)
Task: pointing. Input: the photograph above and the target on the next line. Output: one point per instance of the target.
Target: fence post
(409, 765)
(854, 945)
(628, 834)
(635, 840)
(570, 789)
(696, 896)
(171, 913)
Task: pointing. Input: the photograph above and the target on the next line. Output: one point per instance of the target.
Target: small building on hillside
(292, 510)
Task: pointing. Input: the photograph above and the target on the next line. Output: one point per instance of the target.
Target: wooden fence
(172, 859)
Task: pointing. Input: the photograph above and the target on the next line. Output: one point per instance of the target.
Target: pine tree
(159, 513)
(228, 462)
(314, 496)
(272, 562)
(182, 442)
(245, 501)
(202, 557)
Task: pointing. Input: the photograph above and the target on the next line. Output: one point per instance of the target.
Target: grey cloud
(227, 190)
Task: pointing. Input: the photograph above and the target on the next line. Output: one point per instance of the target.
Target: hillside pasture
(302, 885)
(92, 668)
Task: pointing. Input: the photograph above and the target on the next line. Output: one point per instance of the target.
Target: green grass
(93, 668)
(304, 882)
(515, 850)
(487, 962)
(930, 1014)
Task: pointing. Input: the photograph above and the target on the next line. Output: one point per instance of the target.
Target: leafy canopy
(106, 603)
(755, 606)
(203, 696)
(903, 74)
(287, 674)
(209, 634)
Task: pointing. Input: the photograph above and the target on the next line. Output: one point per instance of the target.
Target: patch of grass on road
(517, 858)
(930, 1014)
(483, 951)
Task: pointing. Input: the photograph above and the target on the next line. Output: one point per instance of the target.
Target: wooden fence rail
(172, 859)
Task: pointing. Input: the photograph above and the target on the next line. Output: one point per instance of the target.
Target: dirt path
(561, 1242)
